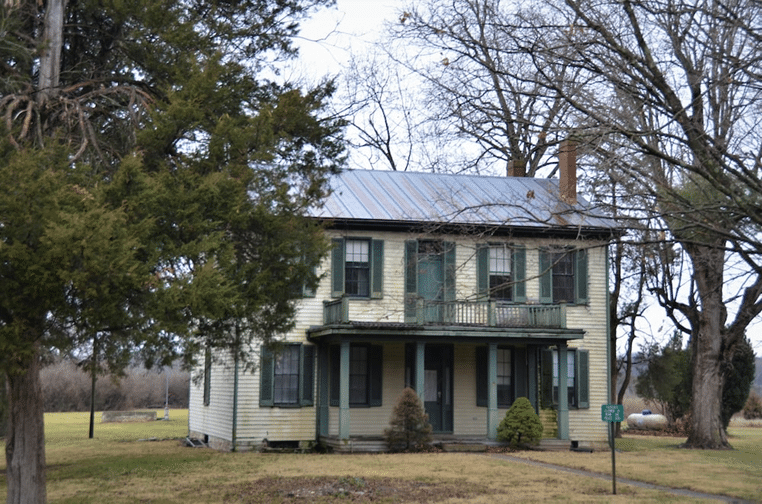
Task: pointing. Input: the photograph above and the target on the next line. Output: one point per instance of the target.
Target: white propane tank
(646, 421)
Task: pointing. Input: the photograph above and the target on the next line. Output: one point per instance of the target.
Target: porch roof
(394, 331)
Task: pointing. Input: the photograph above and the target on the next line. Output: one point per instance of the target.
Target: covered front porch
(466, 376)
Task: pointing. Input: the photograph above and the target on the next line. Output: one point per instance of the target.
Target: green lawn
(145, 462)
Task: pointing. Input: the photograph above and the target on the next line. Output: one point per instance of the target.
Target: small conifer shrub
(753, 408)
(409, 427)
(521, 424)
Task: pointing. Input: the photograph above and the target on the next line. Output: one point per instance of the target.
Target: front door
(431, 279)
(437, 394)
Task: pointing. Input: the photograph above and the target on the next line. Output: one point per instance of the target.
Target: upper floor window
(357, 268)
(500, 284)
(563, 275)
(501, 272)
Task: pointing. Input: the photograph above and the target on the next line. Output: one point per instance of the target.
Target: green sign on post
(612, 412)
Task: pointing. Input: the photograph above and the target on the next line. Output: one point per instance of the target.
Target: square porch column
(563, 393)
(324, 391)
(492, 413)
(344, 417)
(420, 353)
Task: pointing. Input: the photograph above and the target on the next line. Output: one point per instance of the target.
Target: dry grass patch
(659, 460)
(117, 469)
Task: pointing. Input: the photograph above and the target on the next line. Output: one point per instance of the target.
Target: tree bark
(52, 43)
(25, 443)
(705, 428)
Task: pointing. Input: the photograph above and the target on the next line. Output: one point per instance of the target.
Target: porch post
(492, 413)
(532, 388)
(324, 391)
(563, 393)
(420, 352)
(344, 391)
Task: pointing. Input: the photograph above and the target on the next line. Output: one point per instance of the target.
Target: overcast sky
(351, 25)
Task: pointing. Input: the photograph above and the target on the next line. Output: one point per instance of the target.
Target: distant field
(122, 465)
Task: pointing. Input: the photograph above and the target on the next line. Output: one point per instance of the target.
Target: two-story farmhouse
(472, 290)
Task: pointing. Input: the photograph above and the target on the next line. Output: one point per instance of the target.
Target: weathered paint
(254, 424)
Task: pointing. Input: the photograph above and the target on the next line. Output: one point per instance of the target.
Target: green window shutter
(306, 375)
(582, 375)
(482, 270)
(335, 364)
(337, 268)
(411, 279)
(520, 373)
(449, 271)
(546, 277)
(377, 270)
(207, 376)
(482, 385)
(519, 274)
(546, 375)
(266, 369)
(580, 277)
(376, 370)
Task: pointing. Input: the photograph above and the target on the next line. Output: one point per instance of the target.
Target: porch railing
(467, 313)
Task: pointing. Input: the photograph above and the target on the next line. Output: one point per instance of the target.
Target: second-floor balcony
(463, 313)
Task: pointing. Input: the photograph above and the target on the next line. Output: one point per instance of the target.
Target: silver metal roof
(417, 198)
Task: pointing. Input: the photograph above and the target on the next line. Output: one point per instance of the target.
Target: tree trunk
(25, 444)
(705, 428)
(52, 43)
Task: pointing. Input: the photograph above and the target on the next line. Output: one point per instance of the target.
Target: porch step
(463, 447)
(555, 444)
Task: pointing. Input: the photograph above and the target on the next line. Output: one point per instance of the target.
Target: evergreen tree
(521, 424)
(409, 428)
(739, 376)
(153, 184)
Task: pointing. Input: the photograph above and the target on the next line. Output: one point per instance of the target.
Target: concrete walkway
(624, 481)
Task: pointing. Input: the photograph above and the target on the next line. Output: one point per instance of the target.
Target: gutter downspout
(234, 439)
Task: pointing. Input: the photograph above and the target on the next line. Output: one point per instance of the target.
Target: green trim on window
(411, 279)
(546, 277)
(482, 270)
(580, 277)
(337, 268)
(266, 370)
(582, 375)
(520, 274)
(377, 269)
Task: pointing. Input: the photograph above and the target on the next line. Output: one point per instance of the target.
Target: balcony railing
(466, 313)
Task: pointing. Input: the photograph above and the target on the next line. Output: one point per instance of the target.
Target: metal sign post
(612, 413)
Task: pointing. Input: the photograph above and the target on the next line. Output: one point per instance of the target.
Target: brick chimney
(517, 167)
(567, 171)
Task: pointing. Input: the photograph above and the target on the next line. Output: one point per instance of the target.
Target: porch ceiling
(358, 331)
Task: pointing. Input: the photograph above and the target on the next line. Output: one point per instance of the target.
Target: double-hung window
(287, 376)
(500, 282)
(357, 268)
(563, 275)
(501, 272)
(504, 382)
(511, 373)
(365, 374)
